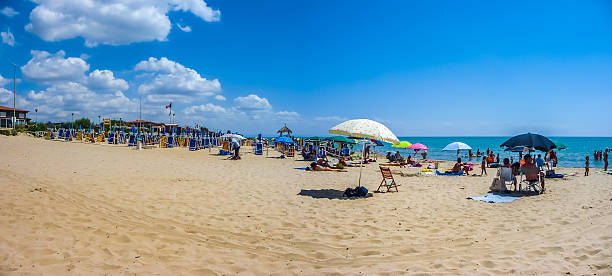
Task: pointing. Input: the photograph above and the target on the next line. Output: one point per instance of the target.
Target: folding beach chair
(259, 148)
(387, 180)
(532, 178)
(290, 151)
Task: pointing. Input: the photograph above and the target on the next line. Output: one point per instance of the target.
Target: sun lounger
(387, 180)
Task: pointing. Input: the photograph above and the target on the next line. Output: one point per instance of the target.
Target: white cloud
(4, 81)
(207, 108)
(186, 29)
(8, 38)
(105, 80)
(171, 81)
(330, 119)
(59, 100)
(47, 68)
(112, 22)
(9, 12)
(252, 102)
(219, 98)
(287, 115)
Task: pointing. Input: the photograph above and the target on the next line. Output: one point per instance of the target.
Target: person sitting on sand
(316, 168)
(323, 162)
(390, 157)
(460, 167)
(398, 157)
(409, 161)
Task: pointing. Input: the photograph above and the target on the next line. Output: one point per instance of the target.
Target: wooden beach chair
(387, 180)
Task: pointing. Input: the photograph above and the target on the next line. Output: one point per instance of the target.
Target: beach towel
(494, 198)
(449, 173)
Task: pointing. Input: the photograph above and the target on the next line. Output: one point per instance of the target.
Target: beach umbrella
(365, 129)
(559, 145)
(418, 146)
(341, 139)
(530, 140)
(232, 136)
(519, 149)
(402, 144)
(457, 146)
(284, 140)
(315, 138)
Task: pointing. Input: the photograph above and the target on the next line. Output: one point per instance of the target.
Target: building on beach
(6, 117)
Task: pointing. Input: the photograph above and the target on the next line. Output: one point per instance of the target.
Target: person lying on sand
(316, 168)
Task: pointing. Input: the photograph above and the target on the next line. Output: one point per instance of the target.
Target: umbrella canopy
(284, 140)
(559, 145)
(402, 144)
(530, 140)
(234, 136)
(418, 146)
(364, 128)
(519, 149)
(315, 138)
(341, 139)
(457, 146)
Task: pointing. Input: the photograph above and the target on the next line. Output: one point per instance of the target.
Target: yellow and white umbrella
(367, 129)
(364, 128)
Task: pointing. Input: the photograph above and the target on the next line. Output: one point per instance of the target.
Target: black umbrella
(530, 140)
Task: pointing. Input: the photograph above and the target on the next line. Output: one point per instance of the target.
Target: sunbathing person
(345, 163)
(317, 168)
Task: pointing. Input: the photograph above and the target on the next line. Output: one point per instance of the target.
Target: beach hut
(284, 129)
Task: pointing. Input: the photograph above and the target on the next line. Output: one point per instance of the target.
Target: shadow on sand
(328, 193)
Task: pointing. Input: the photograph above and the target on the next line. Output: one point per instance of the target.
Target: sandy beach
(75, 208)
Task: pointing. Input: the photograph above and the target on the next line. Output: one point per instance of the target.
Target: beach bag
(358, 191)
(550, 173)
(496, 185)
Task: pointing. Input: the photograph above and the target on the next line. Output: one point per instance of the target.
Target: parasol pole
(361, 163)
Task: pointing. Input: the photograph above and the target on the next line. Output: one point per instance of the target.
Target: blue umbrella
(284, 140)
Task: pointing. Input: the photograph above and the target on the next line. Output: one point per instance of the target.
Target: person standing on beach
(483, 166)
(586, 166)
(605, 159)
(236, 148)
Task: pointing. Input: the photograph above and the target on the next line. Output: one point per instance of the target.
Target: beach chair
(387, 180)
(259, 148)
(290, 151)
(532, 179)
(192, 145)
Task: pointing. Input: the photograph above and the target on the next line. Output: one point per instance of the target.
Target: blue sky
(423, 69)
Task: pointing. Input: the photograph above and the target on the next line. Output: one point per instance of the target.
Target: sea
(574, 156)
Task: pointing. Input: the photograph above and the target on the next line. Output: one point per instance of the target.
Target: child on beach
(483, 166)
(586, 167)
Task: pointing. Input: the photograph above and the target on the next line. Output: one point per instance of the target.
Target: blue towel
(495, 198)
(449, 173)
